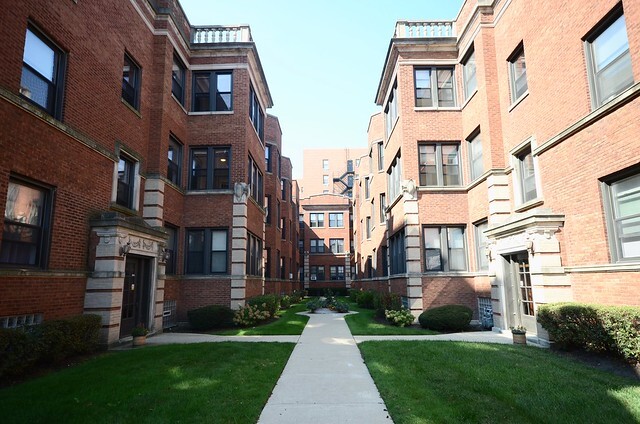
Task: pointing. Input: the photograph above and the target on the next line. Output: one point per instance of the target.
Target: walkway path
(325, 380)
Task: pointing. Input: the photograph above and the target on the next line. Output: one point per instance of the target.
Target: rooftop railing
(429, 29)
(212, 34)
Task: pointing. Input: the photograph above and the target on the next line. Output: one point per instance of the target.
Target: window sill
(179, 104)
(466, 102)
(131, 108)
(212, 191)
(437, 109)
(454, 189)
(125, 210)
(211, 112)
(449, 274)
(204, 276)
(519, 100)
(173, 185)
(617, 267)
(529, 205)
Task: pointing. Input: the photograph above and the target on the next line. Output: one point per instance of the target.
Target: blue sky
(322, 60)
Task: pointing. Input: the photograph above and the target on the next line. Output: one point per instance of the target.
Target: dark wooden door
(135, 295)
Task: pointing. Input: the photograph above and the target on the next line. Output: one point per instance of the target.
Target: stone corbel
(240, 192)
(409, 189)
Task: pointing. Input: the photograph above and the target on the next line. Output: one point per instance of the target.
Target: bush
(366, 299)
(208, 317)
(597, 328)
(353, 295)
(297, 296)
(50, 342)
(340, 307)
(399, 317)
(250, 315)
(285, 301)
(266, 302)
(386, 302)
(446, 318)
(315, 304)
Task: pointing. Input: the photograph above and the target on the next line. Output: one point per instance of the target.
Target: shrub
(297, 296)
(353, 295)
(250, 315)
(341, 307)
(446, 318)
(597, 328)
(366, 299)
(387, 302)
(285, 301)
(208, 317)
(315, 304)
(19, 350)
(399, 317)
(266, 302)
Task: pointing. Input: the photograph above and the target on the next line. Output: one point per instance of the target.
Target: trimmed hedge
(366, 299)
(209, 317)
(597, 328)
(446, 318)
(383, 302)
(266, 302)
(50, 342)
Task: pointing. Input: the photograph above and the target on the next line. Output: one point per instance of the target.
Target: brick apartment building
(329, 171)
(505, 151)
(133, 172)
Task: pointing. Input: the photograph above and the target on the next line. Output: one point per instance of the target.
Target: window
(172, 249)
(126, 182)
(608, 58)
(383, 207)
(337, 272)
(316, 246)
(526, 175)
(178, 73)
(255, 181)
(267, 157)
(439, 164)
(517, 73)
(380, 156)
(131, 82)
(325, 180)
(316, 219)
(254, 255)
(283, 226)
(336, 245)
(206, 251)
(336, 219)
(368, 227)
(391, 110)
(469, 73)
(325, 164)
(622, 210)
(174, 161)
(268, 208)
(301, 247)
(212, 91)
(350, 165)
(43, 68)
(27, 222)
(278, 213)
(255, 113)
(482, 262)
(316, 272)
(475, 156)
(349, 181)
(444, 249)
(267, 264)
(367, 187)
(209, 168)
(434, 87)
(397, 254)
(283, 189)
(394, 178)
(385, 261)
(283, 270)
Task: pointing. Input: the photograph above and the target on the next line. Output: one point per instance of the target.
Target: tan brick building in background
(507, 142)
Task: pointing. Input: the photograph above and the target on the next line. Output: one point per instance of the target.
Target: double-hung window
(325, 164)
(254, 178)
(434, 87)
(316, 219)
(206, 251)
(337, 272)
(475, 156)
(174, 161)
(325, 180)
(526, 175)
(380, 156)
(172, 249)
(178, 74)
(125, 191)
(316, 246)
(469, 73)
(383, 207)
(27, 223)
(267, 157)
(336, 245)
(255, 113)
(268, 206)
(397, 253)
(283, 189)
(394, 178)
(608, 58)
(367, 223)
(622, 210)
(131, 82)
(517, 73)
(316, 272)
(212, 91)
(43, 66)
(254, 255)
(209, 168)
(439, 164)
(391, 109)
(482, 262)
(444, 249)
(336, 219)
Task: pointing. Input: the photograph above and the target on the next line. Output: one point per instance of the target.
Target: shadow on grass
(434, 382)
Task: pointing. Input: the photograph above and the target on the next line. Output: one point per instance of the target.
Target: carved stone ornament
(409, 189)
(240, 192)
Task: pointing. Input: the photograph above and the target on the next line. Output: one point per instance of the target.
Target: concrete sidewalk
(325, 380)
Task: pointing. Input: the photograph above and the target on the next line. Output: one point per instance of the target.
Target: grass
(288, 323)
(208, 382)
(454, 382)
(364, 324)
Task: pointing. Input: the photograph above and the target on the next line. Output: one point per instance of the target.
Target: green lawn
(208, 382)
(364, 324)
(453, 382)
(288, 323)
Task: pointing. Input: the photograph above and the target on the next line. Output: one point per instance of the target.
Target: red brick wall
(439, 291)
(53, 297)
(196, 293)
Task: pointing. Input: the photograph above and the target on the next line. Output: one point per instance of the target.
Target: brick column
(239, 246)
(153, 202)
